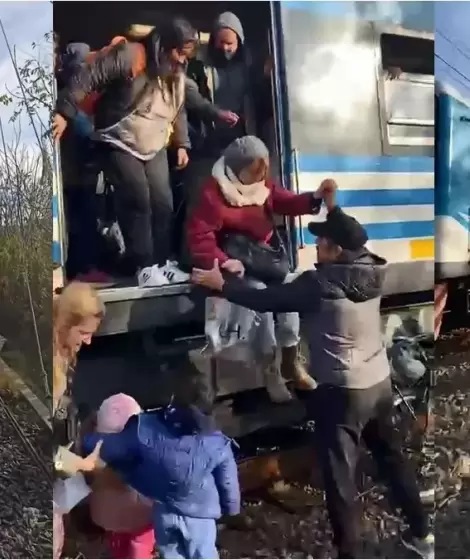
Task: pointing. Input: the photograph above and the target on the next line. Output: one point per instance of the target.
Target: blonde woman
(77, 314)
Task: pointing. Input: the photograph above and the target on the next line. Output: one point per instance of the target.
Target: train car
(357, 84)
(452, 206)
(353, 99)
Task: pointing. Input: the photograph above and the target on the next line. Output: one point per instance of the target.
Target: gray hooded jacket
(229, 81)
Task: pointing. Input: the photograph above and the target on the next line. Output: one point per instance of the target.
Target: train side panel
(345, 120)
(453, 188)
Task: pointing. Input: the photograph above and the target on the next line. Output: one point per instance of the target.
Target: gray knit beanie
(243, 151)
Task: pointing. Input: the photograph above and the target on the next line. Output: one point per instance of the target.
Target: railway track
(25, 479)
(24, 432)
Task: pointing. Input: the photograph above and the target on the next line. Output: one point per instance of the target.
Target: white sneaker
(174, 274)
(152, 276)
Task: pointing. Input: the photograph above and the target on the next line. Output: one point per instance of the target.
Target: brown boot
(294, 370)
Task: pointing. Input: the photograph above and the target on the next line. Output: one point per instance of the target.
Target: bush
(26, 261)
(26, 218)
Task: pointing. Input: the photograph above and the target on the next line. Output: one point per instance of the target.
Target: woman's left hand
(211, 279)
(182, 158)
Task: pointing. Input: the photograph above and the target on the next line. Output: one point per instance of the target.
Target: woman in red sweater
(234, 199)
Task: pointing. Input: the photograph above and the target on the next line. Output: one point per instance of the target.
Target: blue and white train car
(343, 116)
(452, 184)
(453, 201)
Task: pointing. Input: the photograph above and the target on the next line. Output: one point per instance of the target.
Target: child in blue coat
(177, 458)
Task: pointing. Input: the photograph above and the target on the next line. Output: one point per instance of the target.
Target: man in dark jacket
(340, 302)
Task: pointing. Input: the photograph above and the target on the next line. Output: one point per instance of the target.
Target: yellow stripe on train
(422, 249)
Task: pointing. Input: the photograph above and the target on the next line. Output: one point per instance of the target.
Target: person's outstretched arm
(300, 295)
(195, 101)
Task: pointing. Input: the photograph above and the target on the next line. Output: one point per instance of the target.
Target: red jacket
(213, 215)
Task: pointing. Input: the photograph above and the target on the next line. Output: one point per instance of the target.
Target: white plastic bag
(69, 492)
(230, 330)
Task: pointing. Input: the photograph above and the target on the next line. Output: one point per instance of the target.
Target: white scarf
(235, 192)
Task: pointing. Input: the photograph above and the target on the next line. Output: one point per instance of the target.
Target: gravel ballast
(26, 491)
(269, 531)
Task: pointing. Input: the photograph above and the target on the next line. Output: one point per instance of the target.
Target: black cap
(342, 229)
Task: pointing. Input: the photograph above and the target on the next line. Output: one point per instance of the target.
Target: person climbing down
(239, 198)
(176, 457)
(140, 109)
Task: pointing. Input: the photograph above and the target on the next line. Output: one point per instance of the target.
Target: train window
(406, 85)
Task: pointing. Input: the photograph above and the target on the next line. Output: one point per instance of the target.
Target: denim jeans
(179, 536)
(282, 332)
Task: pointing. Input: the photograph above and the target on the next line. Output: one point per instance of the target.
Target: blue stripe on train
(56, 253)
(365, 164)
(55, 207)
(386, 197)
(399, 230)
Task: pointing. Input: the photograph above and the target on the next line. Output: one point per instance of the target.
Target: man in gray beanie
(228, 68)
(233, 83)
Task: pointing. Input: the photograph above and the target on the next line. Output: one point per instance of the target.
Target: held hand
(93, 461)
(327, 191)
(59, 125)
(229, 117)
(182, 158)
(211, 279)
(234, 266)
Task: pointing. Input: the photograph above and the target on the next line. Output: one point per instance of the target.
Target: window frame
(401, 145)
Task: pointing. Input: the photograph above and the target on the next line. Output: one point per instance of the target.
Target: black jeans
(344, 417)
(144, 205)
